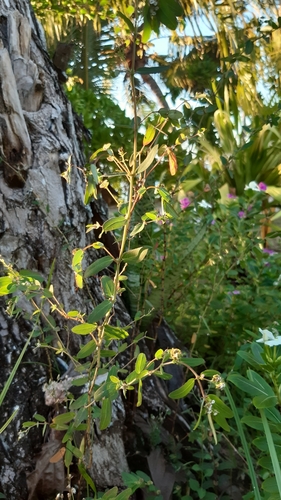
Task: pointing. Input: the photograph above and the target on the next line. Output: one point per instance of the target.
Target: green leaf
(247, 386)
(192, 361)
(270, 485)
(25, 273)
(164, 194)
(149, 159)
(5, 283)
(39, 417)
(87, 350)
(77, 258)
(169, 209)
(127, 21)
(149, 135)
(146, 31)
(84, 328)
(64, 418)
(108, 286)
(110, 494)
(220, 406)
(114, 223)
(220, 420)
(184, 390)
(77, 382)
(80, 402)
(140, 363)
(105, 417)
(88, 479)
(135, 255)
(98, 266)
(125, 495)
(139, 401)
(151, 70)
(115, 333)
(100, 311)
(137, 229)
(265, 401)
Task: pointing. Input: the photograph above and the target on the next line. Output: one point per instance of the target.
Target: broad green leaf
(253, 422)
(73, 314)
(150, 216)
(108, 286)
(192, 361)
(265, 401)
(100, 311)
(84, 328)
(262, 444)
(87, 350)
(164, 194)
(88, 479)
(135, 255)
(146, 31)
(169, 209)
(183, 391)
(137, 229)
(105, 417)
(64, 418)
(245, 385)
(125, 495)
(210, 373)
(98, 266)
(77, 258)
(149, 135)
(220, 406)
(77, 382)
(25, 273)
(260, 383)
(5, 282)
(249, 358)
(159, 354)
(97, 245)
(110, 494)
(114, 223)
(140, 363)
(68, 458)
(270, 485)
(127, 21)
(220, 420)
(39, 417)
(148, 161)
(115, 333)
(80, 402)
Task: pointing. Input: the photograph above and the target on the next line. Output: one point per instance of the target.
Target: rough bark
(42, 218)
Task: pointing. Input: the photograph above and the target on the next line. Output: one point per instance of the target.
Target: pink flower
(213, 222)
(241, 214)
(268, 251)
(184, 203)
(262, 186)
(232, 196)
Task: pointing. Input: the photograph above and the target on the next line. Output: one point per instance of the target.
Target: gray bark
(42, 218)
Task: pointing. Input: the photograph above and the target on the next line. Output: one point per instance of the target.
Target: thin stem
(241, 433)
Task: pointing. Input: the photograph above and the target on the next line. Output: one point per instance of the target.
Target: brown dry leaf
(57, 456)
(173, 164)
(162, 476)
(48, 478)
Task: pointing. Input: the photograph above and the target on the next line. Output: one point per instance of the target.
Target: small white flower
(252, 185)
(268, 338)
(204, 204)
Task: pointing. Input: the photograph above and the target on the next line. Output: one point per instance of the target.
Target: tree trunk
(42, 220)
